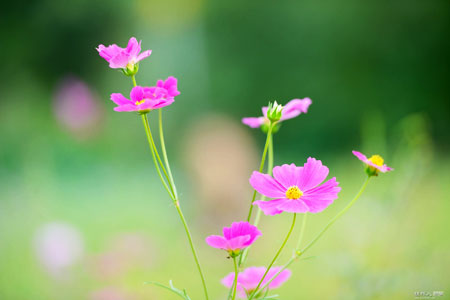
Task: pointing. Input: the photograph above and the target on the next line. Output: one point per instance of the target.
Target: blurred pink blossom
(124, 252)
(76, 107)
(109, 293)
(58, 246)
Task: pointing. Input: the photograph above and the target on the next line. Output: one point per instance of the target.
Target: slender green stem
(172, 190)
(269, 171)
(151, 145)
(261, 166)
(302, 231)
(244, 255)
(170, 182)
(336, 217)
(164, 152)
(236, 273)
(299, 252)
(275, 258)
(194, 252)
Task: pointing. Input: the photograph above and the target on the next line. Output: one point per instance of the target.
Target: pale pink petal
(293, 206)
(360, 156)
(217, 241)
(266, 185)
(108, 52)
(119, 61)
(312, 174)
(228, 280)
(287, 175)
(270, 208)
(264, 110)
(253, 122)
(143, 55)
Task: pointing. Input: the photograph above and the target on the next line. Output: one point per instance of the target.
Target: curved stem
(302, 231)
(261, 166)
(258, 213)
(336, 217)
(172, 191)
(275, 258)
(299, 252)
(151, 145)
(164, 153)
(236, 273)
(194, 252)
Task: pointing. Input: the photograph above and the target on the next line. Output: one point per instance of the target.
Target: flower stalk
(261, 166)
(274, 259)
(298, 253)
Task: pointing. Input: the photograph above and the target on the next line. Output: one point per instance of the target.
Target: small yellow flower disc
(376, 159)
(294, 193)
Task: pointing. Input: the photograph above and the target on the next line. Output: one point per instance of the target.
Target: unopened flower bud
(131, 69)
(274, 112)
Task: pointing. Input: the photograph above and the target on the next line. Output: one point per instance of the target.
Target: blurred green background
(77, 178)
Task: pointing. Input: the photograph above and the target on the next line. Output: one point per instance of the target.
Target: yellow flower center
(294, 193)
(139, 102)
(376, 159)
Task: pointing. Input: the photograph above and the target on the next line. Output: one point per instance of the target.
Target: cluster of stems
(298, 252)
(167, 180)
(165, 174)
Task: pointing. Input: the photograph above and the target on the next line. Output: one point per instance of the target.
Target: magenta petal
(287, 175)
(312, 174)
(216, 241)
(293, 206)
(266, 185)
(253, 122)
(137, 94)
(280, 279)
(133, 47)
(270, 208)
(126, 107)
(319, 198)
(241, 229)
(295, 107)
(119, 99)
(238, 242)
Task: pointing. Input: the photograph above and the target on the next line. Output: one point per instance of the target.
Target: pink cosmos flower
(121, 58)
(77, 108)
(291, 110)
(296, 189)
(375, 163)
(144, 99)
(248, 279)
(58, 246)
(239, 236)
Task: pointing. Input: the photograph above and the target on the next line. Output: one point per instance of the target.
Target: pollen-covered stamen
(377, 160)
(294, 193)
(139, 102)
